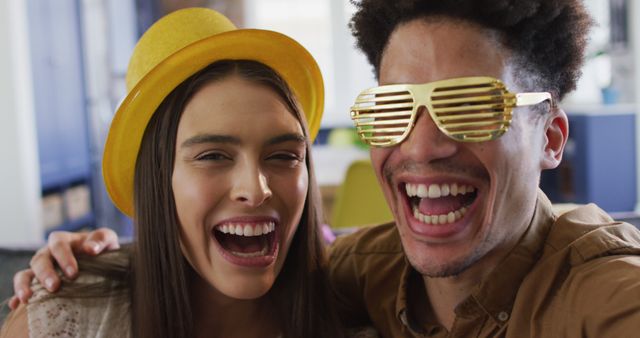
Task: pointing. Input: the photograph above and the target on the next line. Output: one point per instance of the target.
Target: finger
(14, 302)
(60, 248)
(22, 285)
(101, 239)
(73, 240)
(63, 245)
(42, 266)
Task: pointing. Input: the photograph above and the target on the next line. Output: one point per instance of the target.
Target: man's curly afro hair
(546, 37)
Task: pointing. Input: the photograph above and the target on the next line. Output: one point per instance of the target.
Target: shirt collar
(411, 285)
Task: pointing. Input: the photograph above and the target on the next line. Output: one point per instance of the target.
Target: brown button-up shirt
(573, 276)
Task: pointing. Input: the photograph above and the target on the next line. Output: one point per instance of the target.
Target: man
(475, 249)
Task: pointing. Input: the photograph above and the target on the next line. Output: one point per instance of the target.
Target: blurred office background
(63, 64)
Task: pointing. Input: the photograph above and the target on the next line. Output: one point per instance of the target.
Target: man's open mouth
(247, 240)
(440, 204)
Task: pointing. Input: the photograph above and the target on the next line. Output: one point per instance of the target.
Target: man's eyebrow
(287, 138)
(209, 138)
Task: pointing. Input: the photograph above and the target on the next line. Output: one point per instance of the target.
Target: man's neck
(446, 293)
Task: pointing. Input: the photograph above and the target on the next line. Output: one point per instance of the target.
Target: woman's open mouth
(247, 243)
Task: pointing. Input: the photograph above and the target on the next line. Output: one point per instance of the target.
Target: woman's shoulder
(78, 317)
(95, 304)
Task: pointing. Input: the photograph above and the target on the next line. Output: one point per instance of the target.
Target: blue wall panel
(599, 164)
(61, 109)
(59, 92)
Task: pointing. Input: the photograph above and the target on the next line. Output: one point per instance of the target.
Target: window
(321, 27)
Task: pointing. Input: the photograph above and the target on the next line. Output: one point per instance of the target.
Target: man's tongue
(440, 206)
(243, 244)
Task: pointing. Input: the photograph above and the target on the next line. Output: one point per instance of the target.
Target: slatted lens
(472, 112)
(383, 117)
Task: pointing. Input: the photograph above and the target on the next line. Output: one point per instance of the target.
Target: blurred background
(62, 70)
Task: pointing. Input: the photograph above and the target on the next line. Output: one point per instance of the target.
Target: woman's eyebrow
(215, 138)
(209, 138)
(287, 138)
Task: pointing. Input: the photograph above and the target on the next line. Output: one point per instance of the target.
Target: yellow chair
(359, 200)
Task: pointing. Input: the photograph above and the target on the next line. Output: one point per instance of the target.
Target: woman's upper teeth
(437, 190)
(254, 229)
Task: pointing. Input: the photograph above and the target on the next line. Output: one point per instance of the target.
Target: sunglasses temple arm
(529, 99)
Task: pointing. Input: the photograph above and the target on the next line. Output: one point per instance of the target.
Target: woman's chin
(244, 290)
(222, 279)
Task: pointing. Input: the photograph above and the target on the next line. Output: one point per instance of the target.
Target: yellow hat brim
(283, 54)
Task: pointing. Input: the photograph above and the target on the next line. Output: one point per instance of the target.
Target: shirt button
(503, 316)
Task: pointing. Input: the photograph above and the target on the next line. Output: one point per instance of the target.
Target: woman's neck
(216, 315)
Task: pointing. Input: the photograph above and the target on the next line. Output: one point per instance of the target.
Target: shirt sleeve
(603, 298)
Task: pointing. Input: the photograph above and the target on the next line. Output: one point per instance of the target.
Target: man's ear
(556, 134)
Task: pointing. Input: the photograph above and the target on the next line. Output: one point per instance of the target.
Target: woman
(209, 152)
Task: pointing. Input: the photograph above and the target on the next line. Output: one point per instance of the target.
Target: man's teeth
(448, 218)
(247, 230)
(433, 191)
(437, 190)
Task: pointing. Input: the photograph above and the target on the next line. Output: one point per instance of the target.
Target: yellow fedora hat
(179, 45)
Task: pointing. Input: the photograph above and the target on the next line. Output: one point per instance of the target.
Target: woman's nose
(250, 187)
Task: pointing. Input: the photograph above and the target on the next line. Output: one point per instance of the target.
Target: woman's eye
(286, 157)
(213, 157)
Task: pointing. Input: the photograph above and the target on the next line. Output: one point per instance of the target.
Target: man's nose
(250, 186)
(425, 142)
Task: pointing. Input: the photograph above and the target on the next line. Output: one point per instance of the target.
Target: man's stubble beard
(450, 269)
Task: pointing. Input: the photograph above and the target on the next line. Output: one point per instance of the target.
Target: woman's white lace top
(101, 317)
(79, 317)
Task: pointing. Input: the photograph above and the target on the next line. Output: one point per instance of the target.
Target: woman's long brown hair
(160, 273)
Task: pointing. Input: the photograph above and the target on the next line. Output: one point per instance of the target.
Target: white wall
(20, 206)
